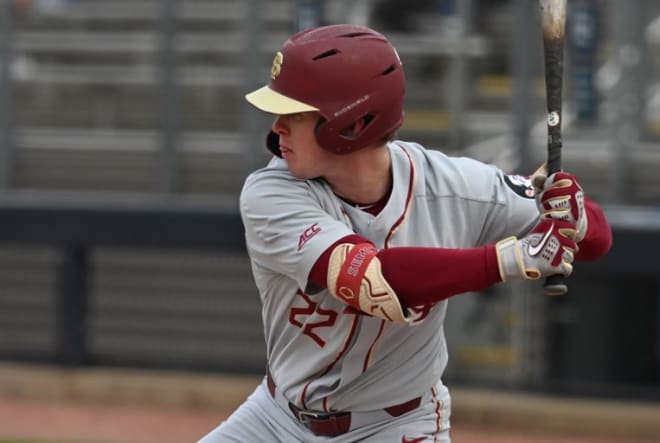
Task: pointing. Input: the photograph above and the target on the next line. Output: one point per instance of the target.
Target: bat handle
(554, 285)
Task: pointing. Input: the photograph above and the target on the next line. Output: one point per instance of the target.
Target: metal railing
(75, 226)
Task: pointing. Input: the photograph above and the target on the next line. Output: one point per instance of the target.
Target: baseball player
(357, 240)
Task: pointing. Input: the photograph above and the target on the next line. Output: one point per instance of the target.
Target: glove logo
(346, 293)
(535, 249)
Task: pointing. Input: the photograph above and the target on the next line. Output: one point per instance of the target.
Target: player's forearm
(598, 239)
(426, 275)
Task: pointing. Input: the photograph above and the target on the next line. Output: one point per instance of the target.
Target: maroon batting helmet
(344, 72)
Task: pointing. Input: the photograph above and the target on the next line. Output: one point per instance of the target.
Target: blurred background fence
(125, 140)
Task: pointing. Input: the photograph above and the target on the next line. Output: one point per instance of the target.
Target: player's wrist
(510, 261)
(492, 267)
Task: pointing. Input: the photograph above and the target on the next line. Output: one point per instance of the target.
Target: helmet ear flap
(340, 134)
(323, 132)
(337, 135)
(273, 143)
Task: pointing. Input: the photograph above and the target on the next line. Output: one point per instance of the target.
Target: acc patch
(520, 184)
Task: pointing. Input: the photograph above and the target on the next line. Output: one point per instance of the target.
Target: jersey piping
(411, 187)
(367, 360)
(438, 409)
(347, 341)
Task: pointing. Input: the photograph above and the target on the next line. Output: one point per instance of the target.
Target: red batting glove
(560, 197)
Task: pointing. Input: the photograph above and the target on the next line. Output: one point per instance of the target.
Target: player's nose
(279, 125)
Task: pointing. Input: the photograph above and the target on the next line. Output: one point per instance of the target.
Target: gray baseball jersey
(324, 356)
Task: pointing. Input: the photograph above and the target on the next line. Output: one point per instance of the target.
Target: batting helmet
(344, 72)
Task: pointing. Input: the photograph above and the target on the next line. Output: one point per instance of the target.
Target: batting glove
(546, 250)
(560, 197)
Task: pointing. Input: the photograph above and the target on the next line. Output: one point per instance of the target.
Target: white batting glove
(546, 250)
(560, 197)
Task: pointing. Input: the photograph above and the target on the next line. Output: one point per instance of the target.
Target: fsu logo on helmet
(277, 65)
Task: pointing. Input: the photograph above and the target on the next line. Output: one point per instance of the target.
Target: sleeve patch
(520, 184)
(308, 234)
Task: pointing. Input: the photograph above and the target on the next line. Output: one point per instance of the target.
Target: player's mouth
(286, 152)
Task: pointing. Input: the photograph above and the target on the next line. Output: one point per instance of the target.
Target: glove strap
(510, 260)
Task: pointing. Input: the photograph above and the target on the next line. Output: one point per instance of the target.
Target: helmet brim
(268, 100)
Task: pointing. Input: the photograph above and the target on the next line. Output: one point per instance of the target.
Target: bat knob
(554, 285)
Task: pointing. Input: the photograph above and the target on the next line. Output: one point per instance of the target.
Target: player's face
(305, 158)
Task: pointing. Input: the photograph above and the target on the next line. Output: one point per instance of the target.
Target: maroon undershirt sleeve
(426, 275)
(599, 234)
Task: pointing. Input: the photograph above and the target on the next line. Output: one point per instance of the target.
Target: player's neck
(363, 177)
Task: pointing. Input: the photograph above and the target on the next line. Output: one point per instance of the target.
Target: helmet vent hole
(389, 70)
(358, 34)
(354, 130)
(325, 54)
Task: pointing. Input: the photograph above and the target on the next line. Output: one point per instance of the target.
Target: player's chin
(302, 173)
(303, 176)
(302, 168)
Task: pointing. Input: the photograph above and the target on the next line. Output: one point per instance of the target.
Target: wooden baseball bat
(553, 15)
